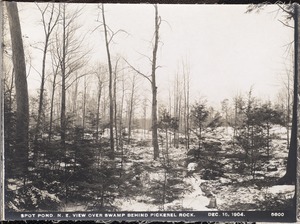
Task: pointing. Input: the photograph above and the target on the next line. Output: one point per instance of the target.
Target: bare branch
(285, 24)
(32, 67)
(78, 77)
(283, 9)
(137, 71)
(96, 28)
(115, 33)
(157, 67)
(145, 56)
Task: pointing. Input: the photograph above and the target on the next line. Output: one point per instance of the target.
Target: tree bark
(52, 104)
(111, 102)
(188, 111)
(154, 88)
(115, 105)
(131, 109)
(63, 83)
(98, 108)
(84, 103)
(41, 97)
(22, 114)
(186, 115)
(290, 175)
(75, 95)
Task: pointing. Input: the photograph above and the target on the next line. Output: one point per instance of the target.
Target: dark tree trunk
(290, 175)
(188, 112)
(111, 102)
(41, 97)
(51, 106)
(154, 88)
(131, 110)
(98, 109)
(84, 104)
(22, 114)
(115, 106)
(63, 84)
(75, 95)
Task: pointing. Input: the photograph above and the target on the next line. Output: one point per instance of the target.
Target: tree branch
(283, 9)
(285, 24)
(115, 33)
(137, 71)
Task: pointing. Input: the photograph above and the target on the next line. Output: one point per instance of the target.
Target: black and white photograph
(149, 108)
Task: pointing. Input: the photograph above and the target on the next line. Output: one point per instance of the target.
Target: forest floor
(232, 188)
(182, 182)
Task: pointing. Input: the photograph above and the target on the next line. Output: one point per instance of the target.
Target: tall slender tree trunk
(235, 120)
(167, 146)
(115, 105)
(145, 115)
(41, 97)
(22, 114)
(186, 87)
(154, 88)
(98, 109)
(74, 103)
(290, 175)
(63, 83)
(131, 109)
(188, 111)
(84, 104)
(51, 106)
(121, 116)
(179, 116)
(111, 103)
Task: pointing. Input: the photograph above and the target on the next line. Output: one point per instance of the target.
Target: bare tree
(48, 25)
(131, 106)
(74, 98)
(121, 114)
(177, 106)
(63, 78)
(154, 88)
(71, 57)
(115, 102)
(152, 80)
(84, 96)
(111, 102)
(287, 100)
(100, 78)
(22, 113)
(55, 67)
(145, 105)
(186, 112)
(108, 40)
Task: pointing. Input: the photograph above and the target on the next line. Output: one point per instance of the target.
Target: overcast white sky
(228, 51)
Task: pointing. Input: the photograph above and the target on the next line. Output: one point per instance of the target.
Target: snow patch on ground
(277, 189)
(195, 199)
(134, 205)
